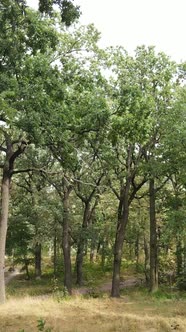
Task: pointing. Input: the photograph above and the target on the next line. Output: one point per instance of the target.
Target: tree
(89, 196)
(69, 12)
(142, 93)
(17, 34)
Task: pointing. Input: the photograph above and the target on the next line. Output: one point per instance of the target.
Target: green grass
(136, 311)
(95, 275)
(20, 286)
(163, 293)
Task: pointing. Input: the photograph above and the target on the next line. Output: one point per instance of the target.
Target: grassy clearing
(93, 315)
(20, 287)
(135, 311)
(94, 276)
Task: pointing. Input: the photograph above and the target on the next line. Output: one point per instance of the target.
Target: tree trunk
(123, 213)
(79, 265)
(184, 264)
(103, 253)
(137, 251)
(55, 254)
(66, 243)
(3, 229)
(146, 270)
(153, 240)
(179, 260)
(81, 245)
(38, 260)
(118, 247)
(10, 158)
(27, 262)
(92, 251)
(93, 248)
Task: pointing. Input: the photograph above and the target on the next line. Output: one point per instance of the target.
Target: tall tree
(89, 197)
(69, 12)
(18, 39)
(143, 89)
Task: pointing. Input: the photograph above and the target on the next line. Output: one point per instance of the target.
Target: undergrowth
(41, 326)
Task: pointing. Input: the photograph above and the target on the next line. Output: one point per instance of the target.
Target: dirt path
(106, 287)
(10, 275)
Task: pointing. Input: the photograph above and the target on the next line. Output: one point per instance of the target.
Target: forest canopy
(92, 149)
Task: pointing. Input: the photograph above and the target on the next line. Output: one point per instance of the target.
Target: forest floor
(91, 309)
(103, 288)
(106, 286)
(10, 275)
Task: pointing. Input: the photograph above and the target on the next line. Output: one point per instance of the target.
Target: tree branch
(136, 189)
(114, 190)
(40, 170)
(162, 185)
(17, 153)
(2, 148)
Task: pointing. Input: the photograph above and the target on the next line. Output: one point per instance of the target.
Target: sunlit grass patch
(136, 310)
(34, 287)
(92, 315)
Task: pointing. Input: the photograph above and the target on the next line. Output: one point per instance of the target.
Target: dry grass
(94, 315)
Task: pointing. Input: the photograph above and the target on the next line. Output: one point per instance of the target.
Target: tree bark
(8, 168)
(87, 217)
(5, 188)
(125, 198)
(137, 251)
(184, 264)
(93, 251)
(146, 270)
(55, 253)
(123, 213)
(27, 262)
(179, 260)
(81, 245)
(38, 260)
(66, 243)
(153, 240)
(104, 251)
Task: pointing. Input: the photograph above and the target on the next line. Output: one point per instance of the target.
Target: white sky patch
(132, 23)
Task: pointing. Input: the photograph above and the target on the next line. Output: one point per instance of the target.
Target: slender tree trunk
(81, 245)
(92, 251)
(131, 250)
(38, 260)
(55, 253)
(184, 264)
(153, 240)
(10, 158)
(179, 237)
(93, 248)
(27, 262)
(179, 260)
(92, 255)
(123, 213)
(103, 252)
(146, 270)
(98, 247)
(118, 248)
(5, 188)
(126, 196)
(66, 243)
(79, 264)
(137, 251)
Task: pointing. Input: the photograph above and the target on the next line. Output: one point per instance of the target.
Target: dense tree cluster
(92, 149)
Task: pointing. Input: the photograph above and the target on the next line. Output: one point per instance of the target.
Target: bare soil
(106, 287)
(9, 275)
